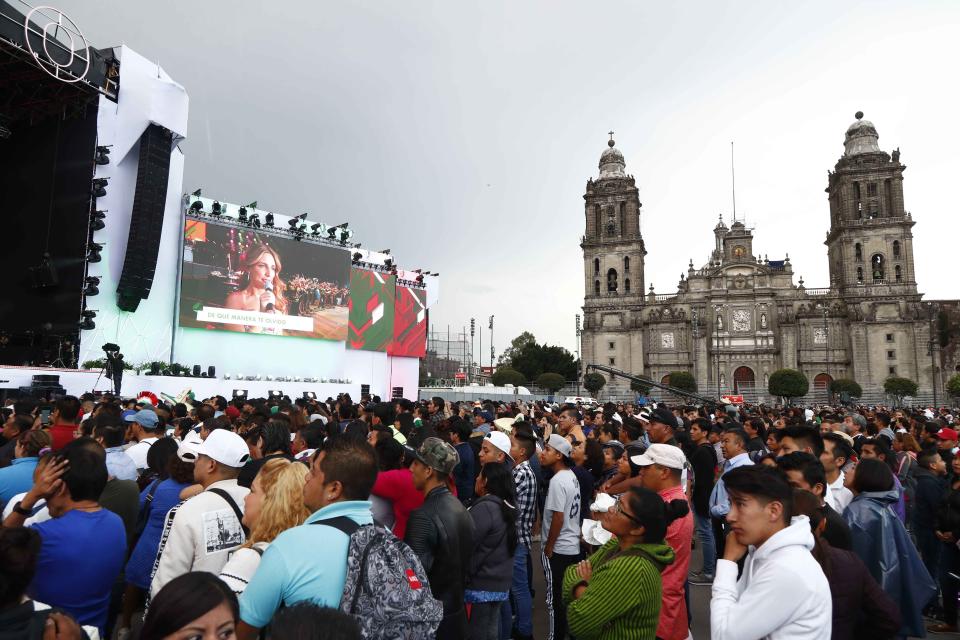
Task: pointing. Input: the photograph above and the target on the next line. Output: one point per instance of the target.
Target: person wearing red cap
(946, 444)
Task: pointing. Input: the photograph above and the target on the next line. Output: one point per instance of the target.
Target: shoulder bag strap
(341, 523)
(233, 505)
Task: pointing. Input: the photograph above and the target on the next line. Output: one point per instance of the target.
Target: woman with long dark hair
(882, 542)
(196, 604)
(617, 591)
(491, 566)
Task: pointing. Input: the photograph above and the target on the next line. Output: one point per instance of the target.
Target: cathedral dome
(611, 162)
(861, 137)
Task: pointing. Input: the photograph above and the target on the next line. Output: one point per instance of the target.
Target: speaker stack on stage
(43, 386)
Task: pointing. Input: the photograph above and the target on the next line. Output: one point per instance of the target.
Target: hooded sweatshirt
(782, 580)
(622, 600)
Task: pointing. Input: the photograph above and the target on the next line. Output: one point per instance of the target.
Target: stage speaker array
(146, 220)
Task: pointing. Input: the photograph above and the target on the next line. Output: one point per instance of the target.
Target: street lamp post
(580, 366)
(491, 345)
(473, 329)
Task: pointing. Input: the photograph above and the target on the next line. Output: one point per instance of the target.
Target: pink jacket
(673, 612)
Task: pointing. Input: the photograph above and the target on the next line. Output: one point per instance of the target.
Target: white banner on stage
(255, 319)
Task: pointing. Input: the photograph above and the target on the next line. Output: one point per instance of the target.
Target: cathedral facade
(740, 316)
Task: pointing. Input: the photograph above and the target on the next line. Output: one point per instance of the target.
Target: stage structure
(91, 179)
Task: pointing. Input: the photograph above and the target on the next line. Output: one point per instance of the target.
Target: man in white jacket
(782, 592)
(199, 534)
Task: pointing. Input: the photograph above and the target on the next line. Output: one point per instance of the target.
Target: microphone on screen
(268, 286)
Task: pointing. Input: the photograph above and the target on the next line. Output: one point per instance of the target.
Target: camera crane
(710, 402)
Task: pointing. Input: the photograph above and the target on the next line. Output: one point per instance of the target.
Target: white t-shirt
(139, 452)
(563, 496)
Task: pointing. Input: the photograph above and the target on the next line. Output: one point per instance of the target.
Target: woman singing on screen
(261, 288)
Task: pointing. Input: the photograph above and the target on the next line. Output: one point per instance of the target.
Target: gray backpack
(386, 589)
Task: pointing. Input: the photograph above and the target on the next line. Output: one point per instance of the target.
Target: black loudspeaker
(146, 219)
(364, 390)
(196, 371)
(397, 393)
(211, 371)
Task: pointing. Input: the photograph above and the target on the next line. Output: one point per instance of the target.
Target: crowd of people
(296, 519)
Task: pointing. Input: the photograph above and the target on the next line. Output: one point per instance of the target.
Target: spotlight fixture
(96, 220)
(388, 263)
(226, 376)
(254, 221)
(196, 194)
(318, 229)
(309, 395)
(240, 394)
(91, 288)
(357, 256)
(242, 217)
(103, 155)
(276, 393)
(99, 187)
(386, 251)
(196, 207)
(87, 324)
(93, 252)
(420, 279)
(217, 208)
(268, 221)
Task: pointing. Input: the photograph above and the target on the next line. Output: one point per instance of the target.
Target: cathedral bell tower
(613, 255)
(870, 243)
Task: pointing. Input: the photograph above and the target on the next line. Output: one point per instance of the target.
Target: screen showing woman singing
(244, 281)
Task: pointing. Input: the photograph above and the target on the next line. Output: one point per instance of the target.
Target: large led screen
(248, 282)
(409, 323)
(371, 310)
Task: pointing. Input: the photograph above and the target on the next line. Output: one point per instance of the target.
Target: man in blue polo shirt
(309, 562)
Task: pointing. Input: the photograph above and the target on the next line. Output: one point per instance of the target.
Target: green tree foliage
(534, 359)
(788, 383)
(506, 375)
(900, 388)
(552, 382)
(593, 382)
(683, 380)
(640, 387)
(845, 385)
(516, 346)
(953, 385)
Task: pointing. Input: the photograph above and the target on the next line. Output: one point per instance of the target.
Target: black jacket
(441, 534)
(928, 494)
(861, 609)
(704, 463)
(491, 565)
(948, 512)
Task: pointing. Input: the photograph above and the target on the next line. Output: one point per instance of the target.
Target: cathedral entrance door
(743, 380)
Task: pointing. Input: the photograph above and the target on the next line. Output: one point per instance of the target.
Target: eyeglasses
(618, 508)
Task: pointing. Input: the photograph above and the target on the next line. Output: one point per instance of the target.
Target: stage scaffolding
(449, 360)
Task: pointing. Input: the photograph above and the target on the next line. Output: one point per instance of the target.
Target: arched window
(626, 264)
(877, 265)
(896, 248)
(596, 265)
(858, 252)
(612, 281)
(596, 287)
(898, 273)
(626, 284)
(859, 275)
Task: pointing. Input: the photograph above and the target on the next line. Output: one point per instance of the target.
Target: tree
(516, 345)
(788, 383)
(506, 375)
(593, 382)
(953, 385)
(847, 386)
(533, 359)
(900, 388)
(640, 387)
(683, 380)
(552, 382)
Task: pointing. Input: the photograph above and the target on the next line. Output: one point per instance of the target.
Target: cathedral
(740, 316)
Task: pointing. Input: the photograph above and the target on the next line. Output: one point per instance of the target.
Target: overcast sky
(461, 135)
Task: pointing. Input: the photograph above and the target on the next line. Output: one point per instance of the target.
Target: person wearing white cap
(560, 532)
(207, 526)
(663, 465)
(496, 448)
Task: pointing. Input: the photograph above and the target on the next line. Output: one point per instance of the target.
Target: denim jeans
(485, 621)
(520, 602)
(704, 529)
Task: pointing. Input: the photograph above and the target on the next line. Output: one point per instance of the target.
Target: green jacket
(622, 600)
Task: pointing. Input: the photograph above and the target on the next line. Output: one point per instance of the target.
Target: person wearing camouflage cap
(441, 532)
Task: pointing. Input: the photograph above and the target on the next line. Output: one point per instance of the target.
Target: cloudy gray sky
(461, 135)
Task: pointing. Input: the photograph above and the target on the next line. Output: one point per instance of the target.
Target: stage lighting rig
(91, 288)
(384, 251)
(357, 257)
(103, 154)
(87, 324)
(268, 221)
(318, 229)
(254, 221)
(420, 279)
(99, 187)
(216, 209)
(96, 220)
(388, 263)
(196, 194)
(242, 216)
(93, 252)
(196, 207)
